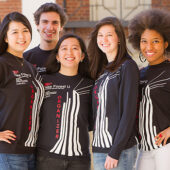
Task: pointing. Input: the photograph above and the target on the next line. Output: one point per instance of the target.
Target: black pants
(48, 163)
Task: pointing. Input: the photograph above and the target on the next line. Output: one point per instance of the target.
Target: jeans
(127, 160)
(157, 159)
(49, 163)
(17, 161)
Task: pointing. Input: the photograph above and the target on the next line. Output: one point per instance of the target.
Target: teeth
(105, 45)
(23, 42)
(69, 59)
(49, 33)
(149, 53)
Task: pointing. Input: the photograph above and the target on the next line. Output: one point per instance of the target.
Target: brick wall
(7, 6)
(165, 4)
(77, 10)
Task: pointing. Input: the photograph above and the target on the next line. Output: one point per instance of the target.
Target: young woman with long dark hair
(114, 97)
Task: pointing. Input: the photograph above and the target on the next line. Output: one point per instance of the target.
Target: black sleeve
(2, 74)
(27, 55)
(128, 94)
(91, 117)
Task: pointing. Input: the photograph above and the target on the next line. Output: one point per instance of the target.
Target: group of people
(52, 95)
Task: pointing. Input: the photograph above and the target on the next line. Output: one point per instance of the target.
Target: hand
(163, 137)
(7, 135)
(110, 163)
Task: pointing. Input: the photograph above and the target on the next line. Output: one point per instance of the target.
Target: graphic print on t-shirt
(68, 142)
(102, 137)
(35, 104)
(147, 129)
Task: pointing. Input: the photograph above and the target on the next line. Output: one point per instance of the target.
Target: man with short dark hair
(50, 19)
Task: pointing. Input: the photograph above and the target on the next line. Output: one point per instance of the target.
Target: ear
(82, 57)
(37, 27)
(6, 40)
(61, 29)
(166, 44)
(57, 58)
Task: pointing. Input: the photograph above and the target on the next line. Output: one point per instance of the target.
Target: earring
(81, 60)
(58, 61)
(141, 57)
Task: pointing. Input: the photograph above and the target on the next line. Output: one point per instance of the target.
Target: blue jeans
(50, 163)
(127, 160)
(17, 161)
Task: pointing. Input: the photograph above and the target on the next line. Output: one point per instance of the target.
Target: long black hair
(13, 16)
(53, 66)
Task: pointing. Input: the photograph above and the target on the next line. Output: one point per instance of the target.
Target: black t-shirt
(21, 96)
(114, 106)
(154, 115)
(66, 117)
(38, 58)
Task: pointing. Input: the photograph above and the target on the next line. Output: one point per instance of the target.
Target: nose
(105, 38)
(49, 26)
(69, 51)
(21, 35)
(149, 46)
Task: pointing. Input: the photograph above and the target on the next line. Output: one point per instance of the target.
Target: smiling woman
(63, 141)
(152, 46)
(21, 94)
(150, 33)
(18, 38)
(114, 97)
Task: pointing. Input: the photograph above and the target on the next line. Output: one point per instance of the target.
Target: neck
(19, 54)
(48, 45)
(156, 63)
(111, 56)
(69, 71)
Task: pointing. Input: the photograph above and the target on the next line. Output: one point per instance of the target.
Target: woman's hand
(163, 137)
(7, 135)
(110, 163)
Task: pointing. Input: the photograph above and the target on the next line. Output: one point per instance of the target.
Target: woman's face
(152, 46)
(70, 54)
(18, 38)
(107, 40)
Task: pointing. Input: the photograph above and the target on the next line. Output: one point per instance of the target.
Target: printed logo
(21, 78)
(15, 72)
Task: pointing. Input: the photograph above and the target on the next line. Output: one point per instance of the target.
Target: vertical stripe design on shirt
(146, 127)
(69, 143)
(38, 99)
(102, 137)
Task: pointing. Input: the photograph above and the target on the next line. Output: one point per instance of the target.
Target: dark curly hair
(50, 7)
(153, 19)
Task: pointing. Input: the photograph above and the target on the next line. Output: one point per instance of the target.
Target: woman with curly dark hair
(114, 97)
(149, 32)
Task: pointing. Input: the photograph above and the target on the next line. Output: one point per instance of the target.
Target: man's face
(49, 27)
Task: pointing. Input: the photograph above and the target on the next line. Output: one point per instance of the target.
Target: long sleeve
(128, 94)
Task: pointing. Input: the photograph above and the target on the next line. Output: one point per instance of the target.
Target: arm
(128, 94)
